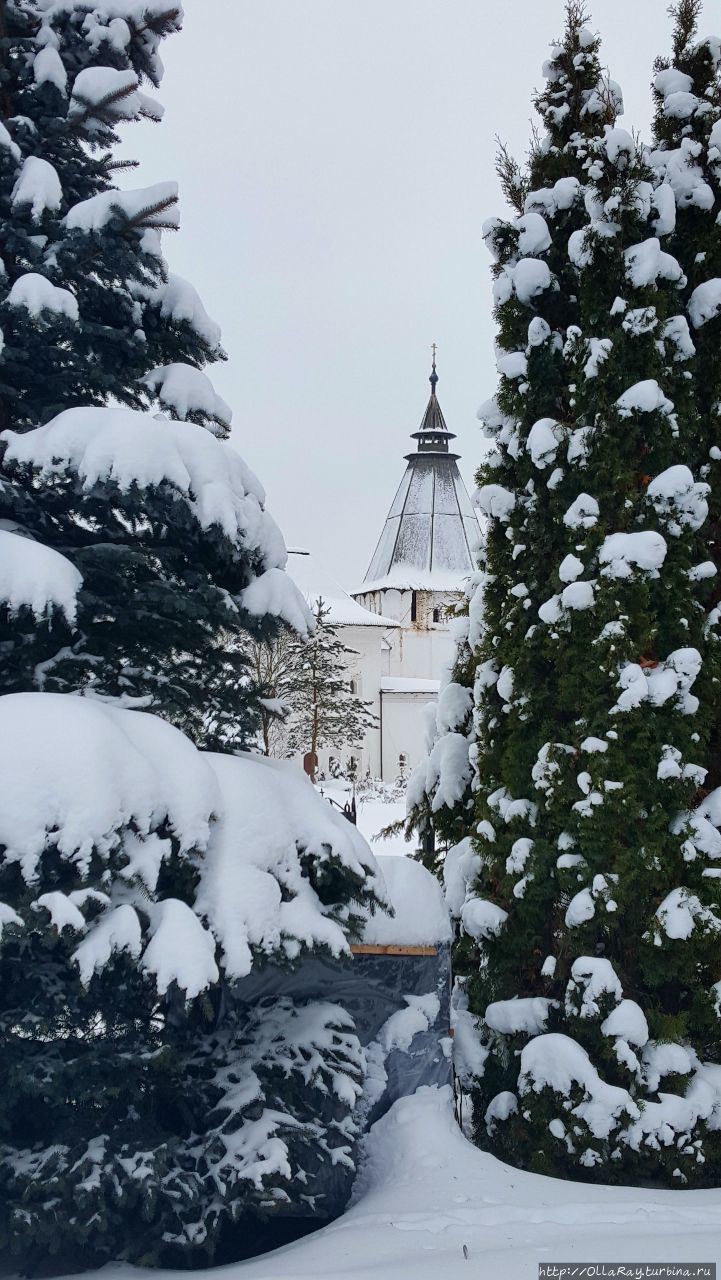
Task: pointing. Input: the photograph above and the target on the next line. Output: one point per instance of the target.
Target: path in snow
(424, 1192)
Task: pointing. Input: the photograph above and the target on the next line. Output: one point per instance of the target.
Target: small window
(353, 686)
(436, 615)
(414, 606)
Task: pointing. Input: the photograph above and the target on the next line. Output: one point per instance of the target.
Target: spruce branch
(121, 166)
(152, 211)
(159, 226)
(140, 222)
(97, 110)
(162, 23)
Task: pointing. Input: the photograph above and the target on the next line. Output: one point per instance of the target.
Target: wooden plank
(391, 949)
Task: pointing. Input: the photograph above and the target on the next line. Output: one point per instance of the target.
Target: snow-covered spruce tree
(143, 1105)
(323, 710)
(592, 896)
(90, 313)
(535, 302)
(130, 899)
(88, 309)
(151, 540)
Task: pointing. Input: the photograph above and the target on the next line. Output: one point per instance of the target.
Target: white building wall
(404, 718)
(420, 649)
(423, 647)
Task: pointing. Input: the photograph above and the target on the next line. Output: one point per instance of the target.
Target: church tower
(425, 552)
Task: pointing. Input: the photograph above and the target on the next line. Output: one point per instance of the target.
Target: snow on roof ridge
(409, 684)
(316, 584)
(411, 578)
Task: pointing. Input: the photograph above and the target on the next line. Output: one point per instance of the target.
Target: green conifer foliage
(90, 313)
(88, 309)
(146, 1102)
(439, 795)
(687, 156)
(323, 709)
(535, 302)
(591, 922)
(155, 552)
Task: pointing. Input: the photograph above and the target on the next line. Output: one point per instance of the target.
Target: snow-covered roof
(317, 585)
(431, 530)
(409, 684)
(406, 577)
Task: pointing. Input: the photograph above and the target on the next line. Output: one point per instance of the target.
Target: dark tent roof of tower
(431, 530)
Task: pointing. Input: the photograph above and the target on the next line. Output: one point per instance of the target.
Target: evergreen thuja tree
(323, 709)
(595, 916)
(534, 303)
(687, 157)
(88, 309)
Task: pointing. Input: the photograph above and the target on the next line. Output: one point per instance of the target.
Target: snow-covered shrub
(140, 880)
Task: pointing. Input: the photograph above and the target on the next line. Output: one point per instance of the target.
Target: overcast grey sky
(335, 160)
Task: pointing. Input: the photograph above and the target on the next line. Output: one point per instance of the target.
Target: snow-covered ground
(424, 1193)
(374, 813)
(373, 816)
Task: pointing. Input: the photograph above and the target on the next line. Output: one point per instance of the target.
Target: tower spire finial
(434, 376)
